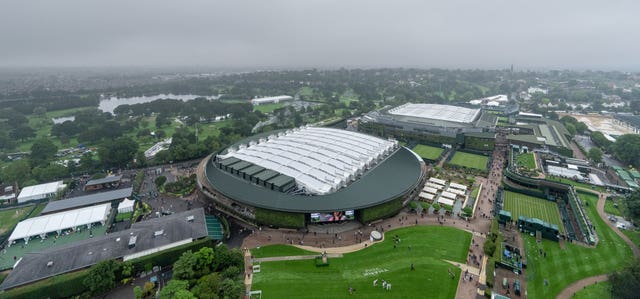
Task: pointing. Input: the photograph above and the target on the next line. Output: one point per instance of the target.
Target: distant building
(532, 90)
(433, 124)
(270, 100)
(158, 147)
(41, 191)
(108, 182)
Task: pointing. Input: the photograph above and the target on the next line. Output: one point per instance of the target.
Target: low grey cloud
(453, 34)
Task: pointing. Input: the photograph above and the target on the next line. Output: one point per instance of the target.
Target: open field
(600, 290)
(526, 160)
(524, 205)
(428, 152)
(9, 218)
(430, 246)
(611, 208)
(562, 267)
(633, 235)
(268, 108)
(470, 160)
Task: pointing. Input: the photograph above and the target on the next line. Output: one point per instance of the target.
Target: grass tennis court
(430, 246)
(562, 267)
(527, 161)
(533, 207)
(470, 160)
(428, 152)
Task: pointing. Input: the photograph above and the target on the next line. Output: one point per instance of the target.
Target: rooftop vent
(50, 263)
(190, 218)
(132, 241)
(158, 233)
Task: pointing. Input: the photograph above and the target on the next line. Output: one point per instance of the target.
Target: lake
(110, 104)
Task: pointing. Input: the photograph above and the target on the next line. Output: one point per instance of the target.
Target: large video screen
(332, 217)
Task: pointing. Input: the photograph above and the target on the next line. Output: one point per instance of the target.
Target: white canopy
(445, 201)
(456, 191)
(447, 195)
(426, 195)
(457, 186)
(42, 225)
(40, 191)
(430, 190)
(437, 181)
(126, 206)
(435, 186)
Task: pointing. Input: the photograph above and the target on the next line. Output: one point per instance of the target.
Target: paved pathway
(293, 257)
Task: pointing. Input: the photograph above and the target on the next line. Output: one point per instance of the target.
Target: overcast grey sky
(447, 33)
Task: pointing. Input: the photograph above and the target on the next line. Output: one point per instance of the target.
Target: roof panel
(438, 112)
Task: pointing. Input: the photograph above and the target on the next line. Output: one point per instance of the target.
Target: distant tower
(512, 67)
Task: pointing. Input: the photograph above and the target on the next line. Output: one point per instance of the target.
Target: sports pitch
(470, 160)
(429, 247)
(428, 152)
(533, 207)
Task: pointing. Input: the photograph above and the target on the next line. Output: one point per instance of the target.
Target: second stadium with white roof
(309, 175)
(433, 124)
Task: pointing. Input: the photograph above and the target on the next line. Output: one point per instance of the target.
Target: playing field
(533, 207)
(526, 160)
(470, 160)
(429, 247)
(428, 152)
(561, 267)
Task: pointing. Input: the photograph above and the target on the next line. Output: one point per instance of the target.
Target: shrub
(159, 181)
(381, 211)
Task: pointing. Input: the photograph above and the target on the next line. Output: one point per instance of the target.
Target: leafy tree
(137, 292)
(595, 155)
(159, 181)
(17, 172)
(40, 110)
(6, 142)
(571, 128)
(101, 277)
(174, 287)
(633, 205)
(118, 153)
(627, 149)
(204, 261)
(226, 257)
(22, 132)
(185, 266)
(208, 286)
(42, 151)
(625, 282)
(50, 172)
(231, 288)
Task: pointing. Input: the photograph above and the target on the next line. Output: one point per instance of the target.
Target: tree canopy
(627, 149)
(626, 282)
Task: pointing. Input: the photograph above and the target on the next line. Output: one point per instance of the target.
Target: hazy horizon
(578, 35)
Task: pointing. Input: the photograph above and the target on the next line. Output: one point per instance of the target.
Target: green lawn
(634, 235)
(526, 160)
(610, 208)
(430, 245)
(562, 267)
(470, 160)
(533, 207)
(600, 290)
(574, 183)
(9, 218)
(428, 152)
(268, 108)
(279, 250)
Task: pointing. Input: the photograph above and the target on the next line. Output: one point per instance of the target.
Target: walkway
(293, 257)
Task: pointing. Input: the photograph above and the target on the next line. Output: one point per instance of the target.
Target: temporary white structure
(426, 196)
(456, 191)
(457, 186)
(126, 205)
(40, 191)
(72, 219)
(445, 201)
(437, 181)
(448, 195)
(430, 190)
(436, 186)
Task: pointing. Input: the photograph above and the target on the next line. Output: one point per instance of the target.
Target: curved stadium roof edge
(391, 178)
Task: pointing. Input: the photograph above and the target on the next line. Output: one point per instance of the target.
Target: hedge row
(169, 256)
(60, 286)
(279, 219)
(381, 211)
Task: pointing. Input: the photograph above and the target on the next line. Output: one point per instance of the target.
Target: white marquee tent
(72, 219)
(126, 205)
(445, 201)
